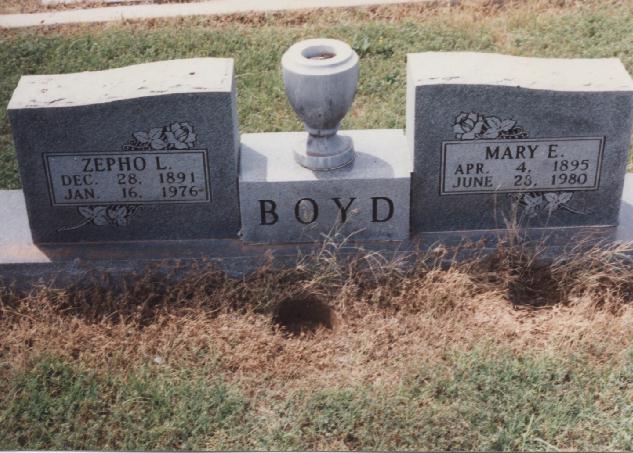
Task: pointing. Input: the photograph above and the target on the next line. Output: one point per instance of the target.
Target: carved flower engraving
(535, 203)
(176, 136)
(477, 126)
(117, 215)
(120, 215)
(154, 139)
(468, 126)
(96, 215)
(472, 126)
(180, 136)
(532, 203)
(494, 127)
(557, 200)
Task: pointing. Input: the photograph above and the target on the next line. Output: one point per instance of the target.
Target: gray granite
(500, 140)
(320, 78)
(146, 152)
(24, 264)
(283, 202)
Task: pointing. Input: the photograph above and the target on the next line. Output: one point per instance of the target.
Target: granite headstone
(146, 152)
(500, 141)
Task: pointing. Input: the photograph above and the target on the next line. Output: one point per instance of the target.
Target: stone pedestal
(283, 202)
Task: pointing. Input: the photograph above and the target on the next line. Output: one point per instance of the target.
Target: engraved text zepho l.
(160, 166)
(141, 178)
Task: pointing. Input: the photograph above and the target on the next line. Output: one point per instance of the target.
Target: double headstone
(152, 152)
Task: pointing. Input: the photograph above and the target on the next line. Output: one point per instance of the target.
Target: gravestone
(500, 141)
(283, 202)
(146, 152)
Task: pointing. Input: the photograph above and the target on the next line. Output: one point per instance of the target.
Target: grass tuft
(58, 405)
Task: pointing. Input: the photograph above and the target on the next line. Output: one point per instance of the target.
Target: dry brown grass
(468, 13)
(35, 6)
(383, 321)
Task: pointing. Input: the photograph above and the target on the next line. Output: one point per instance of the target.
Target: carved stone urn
(320, 76)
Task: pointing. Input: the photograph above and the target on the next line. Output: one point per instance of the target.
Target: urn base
(320, 153)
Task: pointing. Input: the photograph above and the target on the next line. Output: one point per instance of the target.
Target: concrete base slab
(24, 264)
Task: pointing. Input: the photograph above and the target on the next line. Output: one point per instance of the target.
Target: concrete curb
(214, 7)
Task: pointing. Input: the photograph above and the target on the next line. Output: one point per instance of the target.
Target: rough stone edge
(64, 86)
(569, 74)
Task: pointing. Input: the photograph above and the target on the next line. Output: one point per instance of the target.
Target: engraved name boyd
(526, 165)
(139, 178)
(308, 210)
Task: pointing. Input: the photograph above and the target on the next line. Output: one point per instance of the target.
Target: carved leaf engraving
(478, 126)
(176, 136)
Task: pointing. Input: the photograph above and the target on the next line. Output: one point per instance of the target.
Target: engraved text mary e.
(527, 165)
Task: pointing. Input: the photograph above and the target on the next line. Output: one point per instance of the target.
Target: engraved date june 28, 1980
(525, 165)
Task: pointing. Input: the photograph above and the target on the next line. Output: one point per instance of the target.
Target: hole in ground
(536, 287)
(304, 314)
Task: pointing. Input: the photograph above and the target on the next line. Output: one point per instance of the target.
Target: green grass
(54, 405)
(590, 31)
(475, 401)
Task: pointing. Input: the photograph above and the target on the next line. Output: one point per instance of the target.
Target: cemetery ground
(33, 6)
(495, 352)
